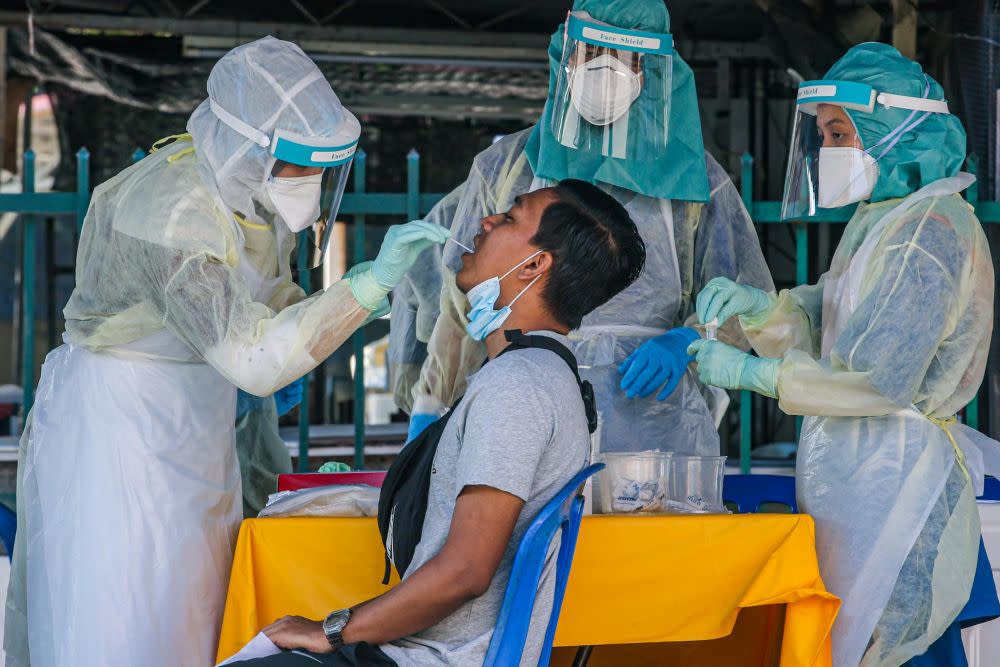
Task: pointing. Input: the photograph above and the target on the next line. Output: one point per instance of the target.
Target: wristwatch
(333, 627)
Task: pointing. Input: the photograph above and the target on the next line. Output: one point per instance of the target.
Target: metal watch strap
(333, 626)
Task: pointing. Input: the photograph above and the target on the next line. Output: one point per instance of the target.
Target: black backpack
(402, 502)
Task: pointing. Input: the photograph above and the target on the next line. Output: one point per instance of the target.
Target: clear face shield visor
(317, 196)
(335, 161)
(828, 165)
(612, 94)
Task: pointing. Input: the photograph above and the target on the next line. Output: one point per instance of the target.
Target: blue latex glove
(725, 366)
(418, 422)
(722, 298)
(400, 249)
(245, 403)
(288, 397)
(657, 361)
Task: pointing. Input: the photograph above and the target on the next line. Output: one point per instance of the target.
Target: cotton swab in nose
(462, 246)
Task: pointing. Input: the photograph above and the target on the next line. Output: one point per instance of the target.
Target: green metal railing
(359, 204)
(32, 204)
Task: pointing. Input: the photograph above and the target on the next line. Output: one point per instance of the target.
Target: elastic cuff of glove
(766, 377)
(367, 291)
(426, 404)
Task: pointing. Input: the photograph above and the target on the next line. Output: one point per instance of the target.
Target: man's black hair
(595, 246)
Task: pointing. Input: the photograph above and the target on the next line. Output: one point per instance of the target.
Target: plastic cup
(632, 483)
(696, 483)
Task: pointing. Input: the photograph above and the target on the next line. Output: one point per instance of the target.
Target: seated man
(514, 440)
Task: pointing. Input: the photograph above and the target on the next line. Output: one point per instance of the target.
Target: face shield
(307, 203)
(828, 165)
(322, 192)
(612, 94)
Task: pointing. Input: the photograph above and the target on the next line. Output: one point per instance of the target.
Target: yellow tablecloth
(634, 580)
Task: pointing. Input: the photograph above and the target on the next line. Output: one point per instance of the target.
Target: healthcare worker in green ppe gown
(621, 113)
(880, 354)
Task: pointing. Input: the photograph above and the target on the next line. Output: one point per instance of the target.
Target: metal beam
(344, 6)
(305, 12)
(433, 4)
(713, 50)
(442, 106)
(198, 46)
(249, 30)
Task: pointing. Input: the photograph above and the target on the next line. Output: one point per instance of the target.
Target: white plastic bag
(342, 500)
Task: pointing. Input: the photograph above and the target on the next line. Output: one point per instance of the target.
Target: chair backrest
(750, 492)
(991, 489)
(564, 513)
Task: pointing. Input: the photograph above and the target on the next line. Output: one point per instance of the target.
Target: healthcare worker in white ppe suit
(880, 354)
(128, 485)
(622, 113)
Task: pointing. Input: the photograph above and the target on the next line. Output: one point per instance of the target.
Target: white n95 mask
(846, 175)
(294, 200)
(484, 319)
(603, 89)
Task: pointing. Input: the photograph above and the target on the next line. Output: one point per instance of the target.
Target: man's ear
(536, 266)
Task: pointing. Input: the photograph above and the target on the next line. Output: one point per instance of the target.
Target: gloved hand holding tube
(725, 366)
(400, 249)
(722, 298)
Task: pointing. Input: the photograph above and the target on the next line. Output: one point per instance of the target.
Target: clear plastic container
(696, 484)
(632, 483)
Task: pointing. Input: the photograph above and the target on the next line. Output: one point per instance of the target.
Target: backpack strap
(520, 341)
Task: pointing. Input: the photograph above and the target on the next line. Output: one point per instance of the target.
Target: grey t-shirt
(520, 428)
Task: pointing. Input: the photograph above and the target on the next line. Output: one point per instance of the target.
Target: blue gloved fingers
(288, 397)
(662, 374)
(672, 383)
(625, 365)
(638, 362)
(653, 370)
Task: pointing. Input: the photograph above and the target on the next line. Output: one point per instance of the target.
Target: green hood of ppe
(680, 173)
(933, 150)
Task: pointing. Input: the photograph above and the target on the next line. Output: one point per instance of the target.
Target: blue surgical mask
(484, 319)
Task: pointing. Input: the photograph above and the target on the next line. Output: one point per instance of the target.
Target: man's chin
(462, 281)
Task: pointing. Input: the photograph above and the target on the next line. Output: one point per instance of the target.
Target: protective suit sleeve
(262, 455)
(726, 244)
(451, 353)
(416, 304)
(877, 365)
(793, 323)
(204, 301)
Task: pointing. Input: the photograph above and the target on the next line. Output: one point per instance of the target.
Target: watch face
(335, 622)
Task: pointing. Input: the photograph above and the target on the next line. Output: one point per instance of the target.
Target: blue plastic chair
(561, 513)
(750, 492)
(8, 529)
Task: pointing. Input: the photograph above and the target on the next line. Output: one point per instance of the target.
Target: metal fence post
(413, 184)
(28, 288)
(358, 339)
(82, 186)
(972, 195)
(746, 397)
(305, 246)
